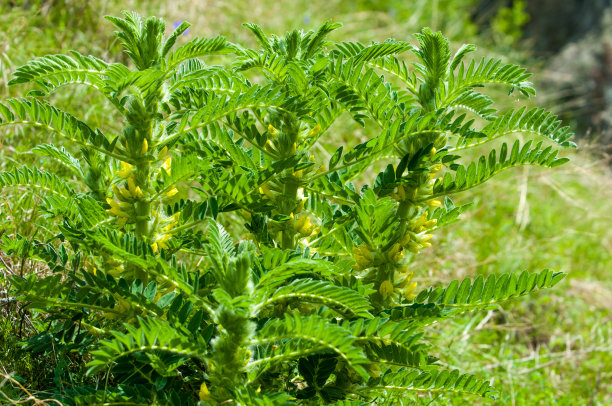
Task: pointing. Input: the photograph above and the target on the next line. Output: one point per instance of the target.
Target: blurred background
(554, 348)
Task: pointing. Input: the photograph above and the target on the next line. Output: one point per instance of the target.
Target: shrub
(147, 285)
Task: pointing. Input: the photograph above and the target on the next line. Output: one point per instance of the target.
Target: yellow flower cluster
(406, 286)
(385, 289)
(396, 253)
(403, 286)
(304, 226)
(126, 196)
(164, 234)
(125, 171)
(363, 257)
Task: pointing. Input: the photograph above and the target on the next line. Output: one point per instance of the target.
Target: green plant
(315, 303)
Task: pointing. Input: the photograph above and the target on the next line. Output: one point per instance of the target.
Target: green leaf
(470, 296)
(342, 299)
(408, 380)
(297, 336)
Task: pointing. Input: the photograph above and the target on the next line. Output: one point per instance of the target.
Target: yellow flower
(205, 393)
(264, 189)
(396, 253)
(171, 192)
(420, 221)
(167, 165)
(160, 241)
(307, 228)
(409, 291)
(272, 130)
(405, 240)
(414, 247)
(303, 226)
(363, 257)
(163, 152)
(125, 172)
(145, 146)
(434, 203)
(431, 223)
(425, 238)
(386, 288)
(132, 185)
(122, 194)
(436, 168)
(315, 130)
(138, 192)
(115, 209)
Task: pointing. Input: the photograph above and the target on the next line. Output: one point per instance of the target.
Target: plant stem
(143, 206)
(402, 213)
(289, 197)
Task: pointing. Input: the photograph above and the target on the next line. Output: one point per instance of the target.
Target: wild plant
(222, 247)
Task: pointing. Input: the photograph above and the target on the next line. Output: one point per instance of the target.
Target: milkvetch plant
(213, 252)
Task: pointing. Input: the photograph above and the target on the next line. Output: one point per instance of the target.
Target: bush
(146, 285)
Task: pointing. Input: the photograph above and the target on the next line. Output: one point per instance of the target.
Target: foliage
(310, 300)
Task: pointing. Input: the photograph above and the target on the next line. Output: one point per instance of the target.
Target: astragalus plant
(221, 247)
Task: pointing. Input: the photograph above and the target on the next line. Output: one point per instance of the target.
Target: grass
(553, 348)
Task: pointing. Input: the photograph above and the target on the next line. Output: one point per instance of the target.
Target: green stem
(402, 213)
(289, 198)
(143, 206)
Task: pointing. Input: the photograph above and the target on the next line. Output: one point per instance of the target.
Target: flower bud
(363, 257)
(273, 131)
(434, 203)
(167, 165)
(408, 293)
(132, 185)
(425, 238)
(405, 240)
(396, 253)
(121, 193)
(315, 130)
(172, 192)
(125, 172)
(386, 288)
(204, 393)
(145, 146)
(138, 193)
(431, 223)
